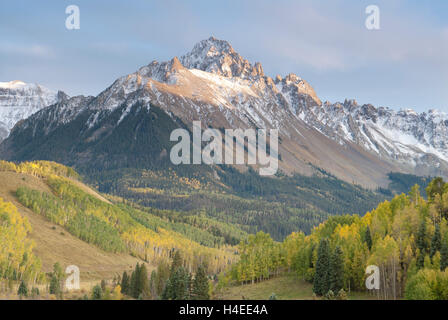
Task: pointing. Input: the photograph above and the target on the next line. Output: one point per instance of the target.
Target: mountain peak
(25, 89)
(19, 100)
(218, 56)
(12, 84)
(212, 47)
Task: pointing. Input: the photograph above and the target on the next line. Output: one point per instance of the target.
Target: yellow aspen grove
(17, 260)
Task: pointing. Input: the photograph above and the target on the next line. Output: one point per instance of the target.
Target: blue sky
(403, 65)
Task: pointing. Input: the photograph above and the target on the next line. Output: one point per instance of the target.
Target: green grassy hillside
(67, 222)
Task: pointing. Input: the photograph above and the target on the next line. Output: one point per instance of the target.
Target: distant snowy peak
(18, 87)
(12, 84)
(19, 100)
(404, 136)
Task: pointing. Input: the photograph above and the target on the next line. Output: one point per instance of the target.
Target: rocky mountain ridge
(214, 84)
(19, 100)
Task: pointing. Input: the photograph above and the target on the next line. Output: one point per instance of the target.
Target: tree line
(167, 283)
(406, 237)
(119, 228)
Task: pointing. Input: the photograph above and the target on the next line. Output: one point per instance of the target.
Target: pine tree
(138, 284)
(336, 272)
(182, 284)
(368, 238)
(436, 242)
(163, 273)
(421, 237)
(125, 283)
(143, 282)
(55, 286)
(97, 293)
(200, 284)
(177, 262)
(444, 257)
(321, 276)
(58, 271)
(167, 291)
(177, 285)
(134, 283)
(56, 280)
(420, 260)
(23, 290)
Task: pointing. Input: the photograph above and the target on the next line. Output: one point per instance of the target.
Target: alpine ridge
(214, 84)
(19, 100)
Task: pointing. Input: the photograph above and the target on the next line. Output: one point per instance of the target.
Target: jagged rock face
(298, 93)
(213, 76)
(218, 57)
(402, 136)
(19, 100)
(214, 84)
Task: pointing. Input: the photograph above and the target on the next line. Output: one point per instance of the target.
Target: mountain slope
(73, 224)
(54, 244)
(214, 84)
(409, 139)
(129, 156)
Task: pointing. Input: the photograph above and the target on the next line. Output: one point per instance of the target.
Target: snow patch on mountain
(19, 100)
(403, 135)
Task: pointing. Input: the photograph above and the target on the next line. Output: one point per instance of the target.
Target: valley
(89, 181)
(106, 235)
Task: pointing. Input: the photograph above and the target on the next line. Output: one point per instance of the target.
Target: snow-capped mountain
(214, 84)
(19, 100)
(404, 136)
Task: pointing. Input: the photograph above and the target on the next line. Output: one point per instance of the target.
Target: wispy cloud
(325, 38)
(33, 50)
